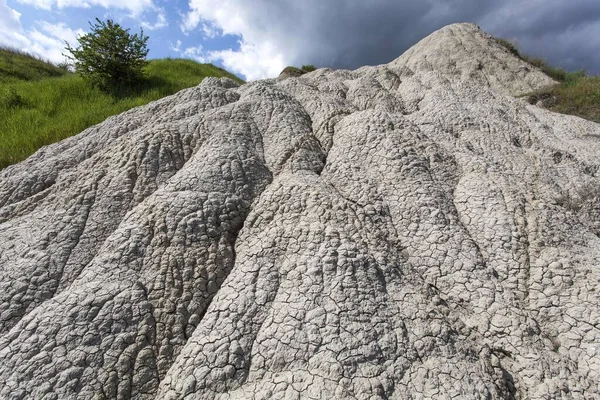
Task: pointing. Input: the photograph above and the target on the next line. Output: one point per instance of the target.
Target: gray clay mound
(403, 231)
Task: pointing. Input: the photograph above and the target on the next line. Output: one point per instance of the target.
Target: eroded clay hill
(410, 230)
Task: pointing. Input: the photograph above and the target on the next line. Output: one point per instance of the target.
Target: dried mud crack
(398, 231)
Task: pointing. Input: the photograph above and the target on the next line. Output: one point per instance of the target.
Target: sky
(256, 39)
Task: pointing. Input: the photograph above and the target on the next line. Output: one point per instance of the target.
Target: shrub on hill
(109, 56)
(295, 71)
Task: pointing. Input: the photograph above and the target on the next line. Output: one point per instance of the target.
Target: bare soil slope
(409, 230)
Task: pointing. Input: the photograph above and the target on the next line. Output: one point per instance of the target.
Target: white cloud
(175, 47)
(229, 15)
(209, 30)
(348, 34)
(11, 31)
(254, 61)
(50, 42)
(10, 18)
(46, 40)
(61, 31)
(197, 53)
(258, 56)
(161, 21)
(135, 6)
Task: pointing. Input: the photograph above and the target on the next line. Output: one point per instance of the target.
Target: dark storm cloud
(565, 32)
(349, 34)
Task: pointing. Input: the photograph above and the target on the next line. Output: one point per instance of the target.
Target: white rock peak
(402, 231)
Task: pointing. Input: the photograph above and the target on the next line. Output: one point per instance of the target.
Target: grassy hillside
(41, 103)
(577, 92)
(17, 66)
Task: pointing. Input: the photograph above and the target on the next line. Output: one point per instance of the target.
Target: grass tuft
(555, 73)
(9, 98)
(509, 46)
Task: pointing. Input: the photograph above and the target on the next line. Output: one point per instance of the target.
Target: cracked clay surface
(402, 231)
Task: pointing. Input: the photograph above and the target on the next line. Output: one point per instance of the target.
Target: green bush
(109, 56)
(293, 71)
(308, 68)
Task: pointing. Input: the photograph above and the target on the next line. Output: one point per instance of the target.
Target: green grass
(41, 104)
(294, 71)
(576, 94)
(556, 73)
(18, 66)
